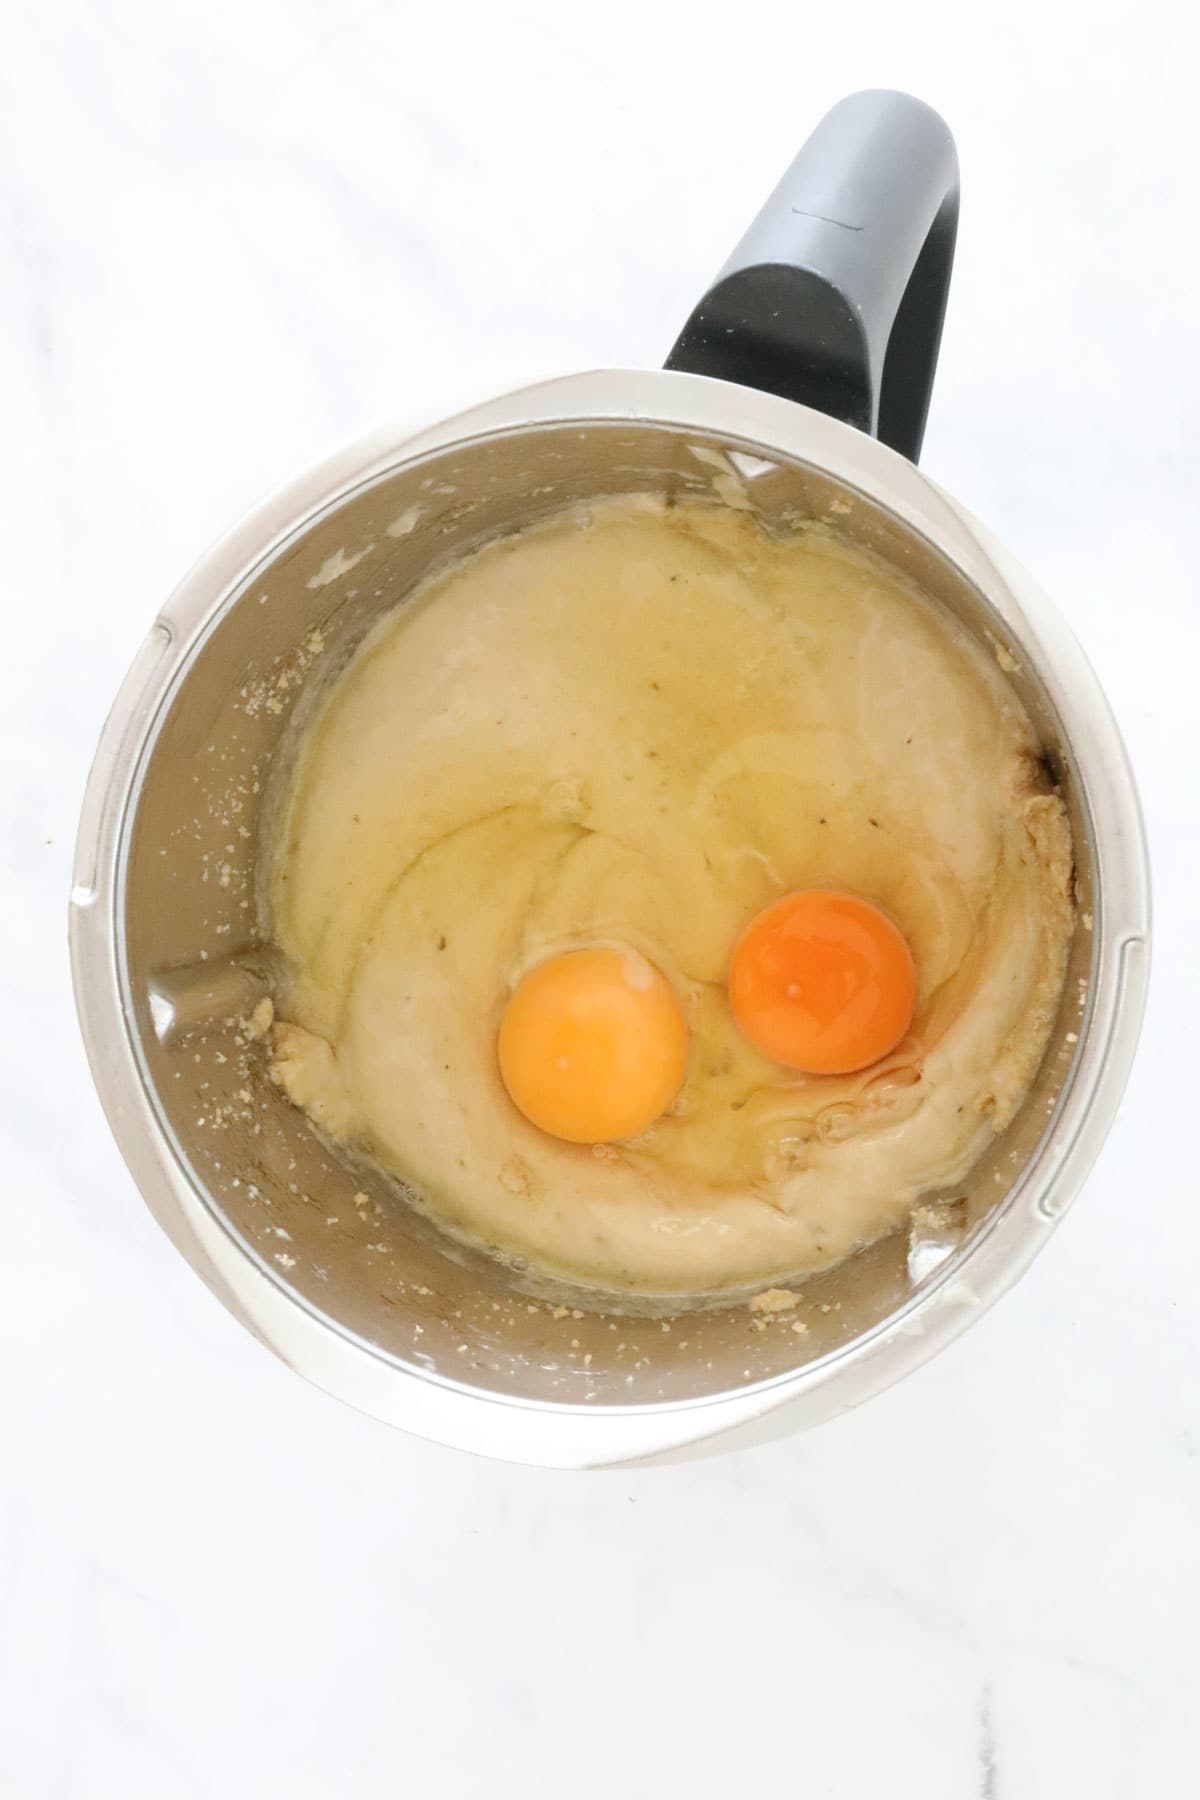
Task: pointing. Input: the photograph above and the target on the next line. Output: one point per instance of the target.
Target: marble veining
(989, 1773)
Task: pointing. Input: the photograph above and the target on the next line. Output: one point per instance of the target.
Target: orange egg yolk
(593, 1046)
(823, 982)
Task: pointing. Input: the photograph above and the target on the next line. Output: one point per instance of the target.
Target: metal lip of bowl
(568, 1433)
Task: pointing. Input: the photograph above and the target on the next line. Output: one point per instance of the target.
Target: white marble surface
(230, 236)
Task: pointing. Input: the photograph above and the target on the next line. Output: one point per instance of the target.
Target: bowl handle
(835, 296)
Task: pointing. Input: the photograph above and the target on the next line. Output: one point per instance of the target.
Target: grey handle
(835, 296)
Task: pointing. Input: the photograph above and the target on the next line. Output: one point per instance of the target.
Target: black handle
(836, 294)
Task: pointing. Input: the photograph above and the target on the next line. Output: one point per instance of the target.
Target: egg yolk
(593, 1045)
(823, 982)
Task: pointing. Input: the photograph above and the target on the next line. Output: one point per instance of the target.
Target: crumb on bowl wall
(261, 1019)
(774, 1300)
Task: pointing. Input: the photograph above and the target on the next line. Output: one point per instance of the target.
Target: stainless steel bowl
(365, 1298)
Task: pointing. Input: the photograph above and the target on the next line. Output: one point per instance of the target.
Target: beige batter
(640, 725)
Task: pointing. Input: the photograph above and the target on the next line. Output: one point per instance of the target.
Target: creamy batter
(639, 725)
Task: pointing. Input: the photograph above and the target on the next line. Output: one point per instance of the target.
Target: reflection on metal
(201, 995)
(936, 1230)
